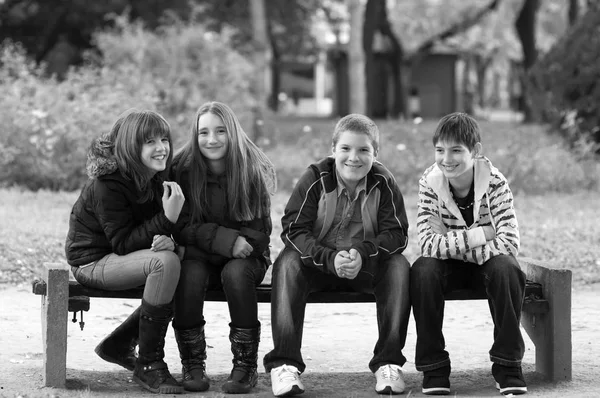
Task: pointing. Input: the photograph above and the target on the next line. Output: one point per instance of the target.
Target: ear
(478, 150)
(333, 149)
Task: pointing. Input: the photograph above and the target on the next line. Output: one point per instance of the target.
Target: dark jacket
(214, 237)
(311, 208)
(107, 218)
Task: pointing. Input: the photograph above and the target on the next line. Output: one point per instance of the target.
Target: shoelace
(390, 372)
(287, 374)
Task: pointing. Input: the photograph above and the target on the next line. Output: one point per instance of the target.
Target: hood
(100, 158)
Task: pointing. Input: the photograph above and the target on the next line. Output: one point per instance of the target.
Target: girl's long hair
(129, 133)
(249, 172)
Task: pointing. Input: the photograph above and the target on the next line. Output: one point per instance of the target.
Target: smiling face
(456, 162)
(213, 139)
(354, 155)
(155, 152)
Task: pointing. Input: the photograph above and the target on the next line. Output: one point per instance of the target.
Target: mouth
(159, 157)
(449, 168)
(353, 166)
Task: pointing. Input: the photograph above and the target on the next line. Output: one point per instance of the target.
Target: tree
(262, 60)
(526, 25)
(356, 60)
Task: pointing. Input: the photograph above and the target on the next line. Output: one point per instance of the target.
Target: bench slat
(533, 293)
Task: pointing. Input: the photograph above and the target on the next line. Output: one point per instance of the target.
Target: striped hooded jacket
(311, 208)
(493, 207)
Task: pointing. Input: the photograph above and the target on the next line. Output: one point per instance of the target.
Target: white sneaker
(285, 381)
(389, 380)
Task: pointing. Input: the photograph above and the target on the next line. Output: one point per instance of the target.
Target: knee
(193, 273)
(287, 266)
(166, 261)
(425, 269)
(236, 271)
(397, 268)
(504, 268)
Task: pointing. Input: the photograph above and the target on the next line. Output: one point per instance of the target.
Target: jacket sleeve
(504, 220)
(392, 222)
(298, 221)
(115, 214)
(258, 233)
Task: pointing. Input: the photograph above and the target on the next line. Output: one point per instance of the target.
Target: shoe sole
(295, 390)
(160, 390)
(511, 390)
(388, 390)
(107, 358)
(436, 391)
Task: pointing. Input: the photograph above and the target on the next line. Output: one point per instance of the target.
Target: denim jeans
(292, 283)
(158, 271)
(238, 278)
(502, 281)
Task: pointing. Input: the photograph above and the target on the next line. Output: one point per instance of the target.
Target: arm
(115, 215)
(452, 244)
(503, 217)
(392, 237)
(298, 220)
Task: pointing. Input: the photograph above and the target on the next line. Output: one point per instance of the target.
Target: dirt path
(338, 342)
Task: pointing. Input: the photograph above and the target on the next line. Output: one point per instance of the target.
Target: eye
(202, 132)
(150, 141)
(164, 139)
(222, 131)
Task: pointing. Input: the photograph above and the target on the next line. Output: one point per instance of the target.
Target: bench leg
(551, 331)
(54, 324)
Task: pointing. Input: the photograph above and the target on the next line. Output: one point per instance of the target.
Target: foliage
(526, 154)
(48, 124)
(565, 85)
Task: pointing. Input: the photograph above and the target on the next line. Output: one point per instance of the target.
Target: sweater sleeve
(115, 214)
(298, 221)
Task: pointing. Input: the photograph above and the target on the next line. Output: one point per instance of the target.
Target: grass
(555, 195)
(557, 228)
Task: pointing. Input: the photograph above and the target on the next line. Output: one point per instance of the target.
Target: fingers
(162, 242)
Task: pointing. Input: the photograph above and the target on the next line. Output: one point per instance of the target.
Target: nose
(353, 155)
(212, 137)
(160, 146)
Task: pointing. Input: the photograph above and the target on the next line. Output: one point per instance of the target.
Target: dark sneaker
(509, 379)
(437, 381)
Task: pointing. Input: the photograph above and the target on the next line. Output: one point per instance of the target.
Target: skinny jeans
(158, 272)
(502, 281)
(237, 277)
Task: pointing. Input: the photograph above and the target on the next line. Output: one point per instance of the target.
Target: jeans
(158, 271)
(504, 284)
(238, 278)
(292, 283)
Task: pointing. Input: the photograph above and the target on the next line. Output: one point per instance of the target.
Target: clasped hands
(347, 263)
(438, 227)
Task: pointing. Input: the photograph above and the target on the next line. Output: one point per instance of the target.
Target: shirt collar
(362, 185)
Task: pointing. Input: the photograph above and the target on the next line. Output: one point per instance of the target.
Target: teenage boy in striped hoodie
(469, 238)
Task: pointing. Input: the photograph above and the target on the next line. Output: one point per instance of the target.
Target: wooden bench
(546, 314)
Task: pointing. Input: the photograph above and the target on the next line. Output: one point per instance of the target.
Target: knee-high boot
(119, 346)
(244, 346)
(192, 351)
(151, 372)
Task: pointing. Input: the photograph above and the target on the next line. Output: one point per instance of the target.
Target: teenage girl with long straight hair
(225, 228)
(119, 238)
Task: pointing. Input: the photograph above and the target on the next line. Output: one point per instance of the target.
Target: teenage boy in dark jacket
(344, 225)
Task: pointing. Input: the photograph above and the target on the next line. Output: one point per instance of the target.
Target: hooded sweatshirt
(493, 206)
(107, 217)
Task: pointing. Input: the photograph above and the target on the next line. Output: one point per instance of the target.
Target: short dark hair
(359, 124)
(458, 127)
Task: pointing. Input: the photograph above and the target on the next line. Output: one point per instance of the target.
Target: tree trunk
(262, 63)
(275, 72)
(525, 25)
(573, 11)
(356, 58)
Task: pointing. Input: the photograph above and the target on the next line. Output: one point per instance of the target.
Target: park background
(528, 70)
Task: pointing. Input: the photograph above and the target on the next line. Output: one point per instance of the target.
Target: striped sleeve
(457, 243)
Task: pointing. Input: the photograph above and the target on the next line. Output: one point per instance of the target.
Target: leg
(291, 286)
(505, 287)
(158, 271)
(240, 278)
(390, 284)
(188, 322)
(428, 280)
